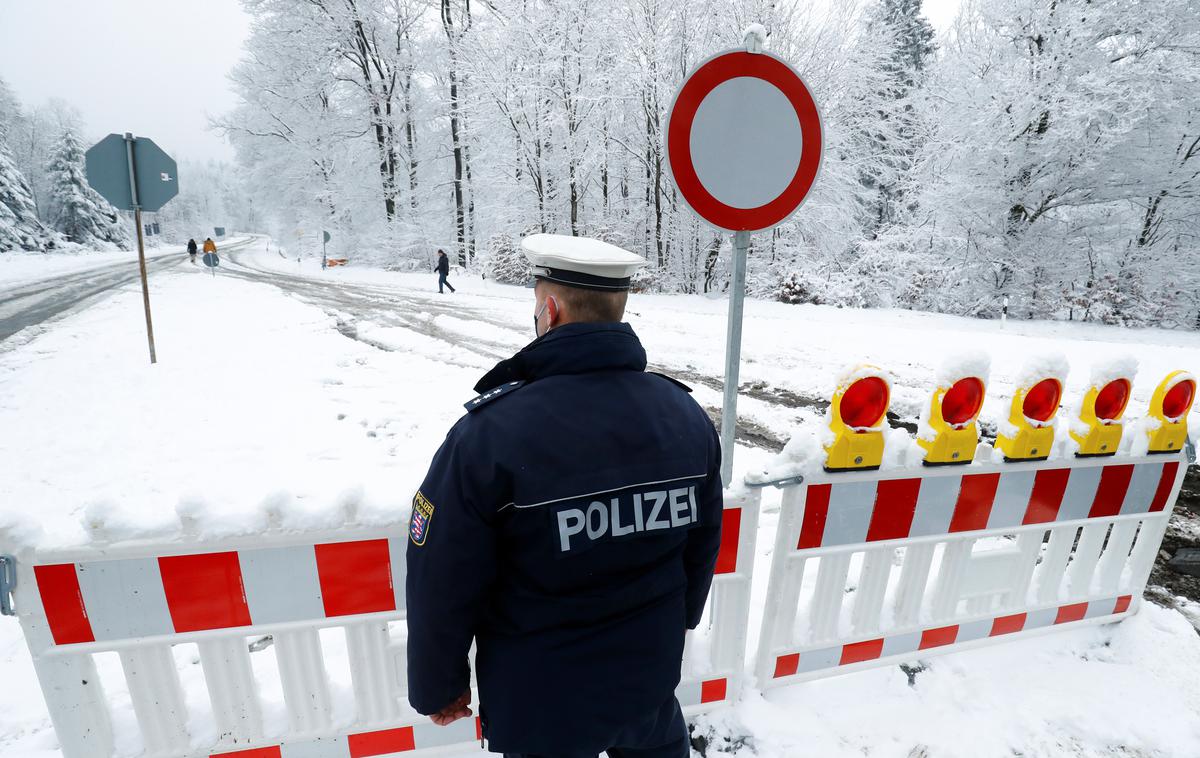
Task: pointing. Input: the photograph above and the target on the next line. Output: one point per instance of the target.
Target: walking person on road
(443, 271)
(209, 245)
(568, 526)
(191, 248)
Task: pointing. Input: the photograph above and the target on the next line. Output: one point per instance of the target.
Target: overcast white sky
(153, 67)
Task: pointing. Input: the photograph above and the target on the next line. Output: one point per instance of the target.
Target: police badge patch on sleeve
(422, 514)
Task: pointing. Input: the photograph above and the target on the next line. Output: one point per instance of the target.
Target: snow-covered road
(29, 305)
(486, 325)
(29, 300)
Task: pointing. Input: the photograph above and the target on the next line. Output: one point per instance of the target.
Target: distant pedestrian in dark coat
(443, 271)
(192, 249)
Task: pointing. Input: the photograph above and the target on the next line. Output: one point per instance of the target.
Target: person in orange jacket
(209, 245)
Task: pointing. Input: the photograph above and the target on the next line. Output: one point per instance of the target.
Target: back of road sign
(211, 260)
(107, 165)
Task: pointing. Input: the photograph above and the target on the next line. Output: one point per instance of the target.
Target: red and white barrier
(140, 600)
(912, 565)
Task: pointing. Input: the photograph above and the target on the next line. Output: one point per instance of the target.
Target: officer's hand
(459, 709)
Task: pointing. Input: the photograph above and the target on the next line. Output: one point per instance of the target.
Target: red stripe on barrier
(1008, 624)
(1068, 613)
(974, 503)
(204, 591)
(356, 577)
(786, 665)
(713, 690)
(381, 743)
(62, 600)
(816, 508)
(1166, 483)
(857, 652)
(731, 530)
(895, 504)
(254, 752)
(945, 635)
(1046, 498)
(478, 728)
(1114, 481)
(1122, 603)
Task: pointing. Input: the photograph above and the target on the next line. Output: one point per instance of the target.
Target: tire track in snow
(393, 308)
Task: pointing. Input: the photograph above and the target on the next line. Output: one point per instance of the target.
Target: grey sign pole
(137, 220)
(133, 174)
(733, 353)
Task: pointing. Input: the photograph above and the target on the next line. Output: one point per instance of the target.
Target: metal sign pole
(137, 217)
(733, 354)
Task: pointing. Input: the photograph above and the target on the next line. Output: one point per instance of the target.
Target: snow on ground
(803, 349)
(20, 267)
(1128, 689)
(260, 401)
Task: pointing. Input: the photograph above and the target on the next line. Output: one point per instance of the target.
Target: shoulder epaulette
(672, 380)
(492, 394)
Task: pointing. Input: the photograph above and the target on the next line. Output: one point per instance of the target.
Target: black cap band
(581, 280)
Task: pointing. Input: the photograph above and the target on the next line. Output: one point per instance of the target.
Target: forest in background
(47, 204)
(1043, 152)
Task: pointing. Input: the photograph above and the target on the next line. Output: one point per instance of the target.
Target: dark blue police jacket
(569, 524)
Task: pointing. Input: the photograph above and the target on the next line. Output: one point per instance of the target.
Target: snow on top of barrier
(18, 532)
(855, 371)
(1103, 372)
(1137, 435)
(1116, 367)
(1050, 365)
(962, 365)
(966, 363)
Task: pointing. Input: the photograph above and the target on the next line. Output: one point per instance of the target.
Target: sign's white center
(746, 142)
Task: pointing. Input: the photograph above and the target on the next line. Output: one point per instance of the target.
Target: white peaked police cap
(580, 261)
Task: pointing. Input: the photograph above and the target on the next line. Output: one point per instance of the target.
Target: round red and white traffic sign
(743, 141)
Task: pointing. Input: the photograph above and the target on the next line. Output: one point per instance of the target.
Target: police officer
(569, 525)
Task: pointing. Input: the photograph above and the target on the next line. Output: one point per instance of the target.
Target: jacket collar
(570, 349)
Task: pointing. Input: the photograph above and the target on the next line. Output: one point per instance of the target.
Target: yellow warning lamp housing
(1169, 405)
(953, 411)
(856, 418)
(1032, 419)
(1100, 412)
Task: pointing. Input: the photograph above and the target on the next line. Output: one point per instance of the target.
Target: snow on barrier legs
(909, 564)
(317, 594)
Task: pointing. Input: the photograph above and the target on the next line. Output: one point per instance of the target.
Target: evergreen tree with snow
(10, 109)
(20, 228)
(80, 214)
(505, 262)
(896, 131)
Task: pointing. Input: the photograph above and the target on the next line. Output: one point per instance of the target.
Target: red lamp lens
(962, 401)
(1041, 402)
(865, 402)
(1111, 401)
(1179, 399)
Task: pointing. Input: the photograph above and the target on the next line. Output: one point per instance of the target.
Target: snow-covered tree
(1036, 149)
(20, 228)
(80, 214)
(894, 136)
(504, 261)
